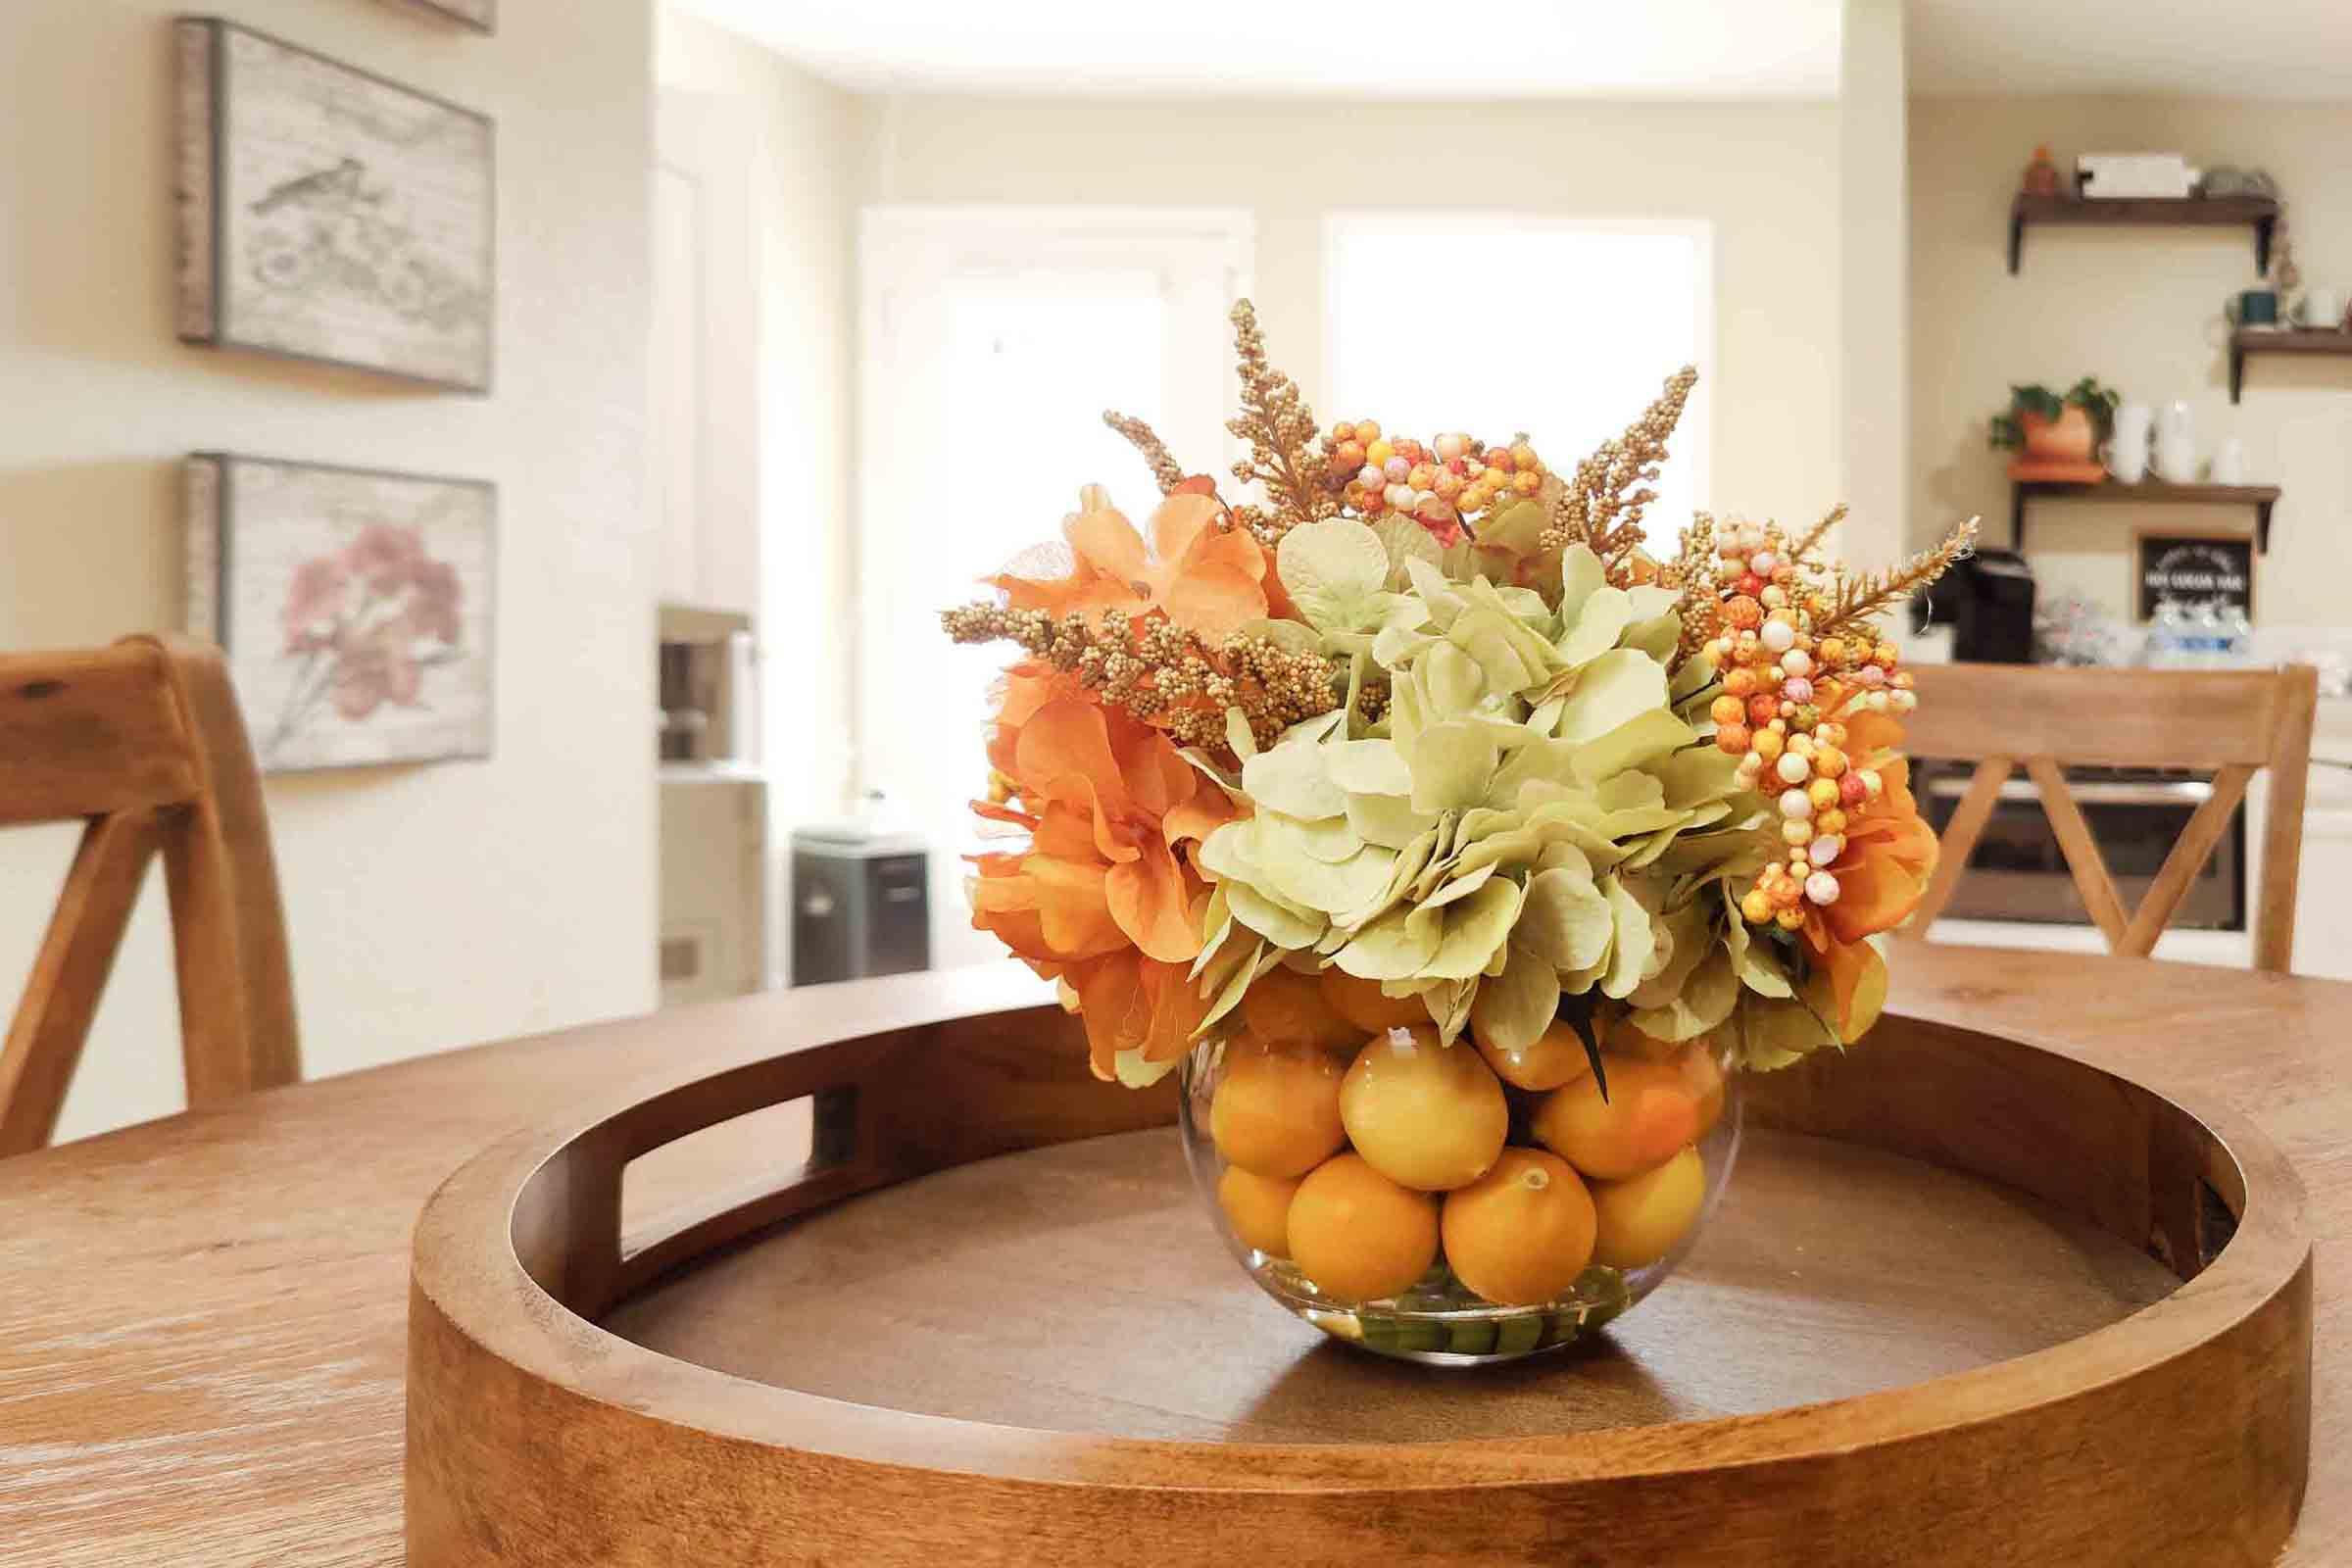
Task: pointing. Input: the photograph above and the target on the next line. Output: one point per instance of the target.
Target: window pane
(1493, 326)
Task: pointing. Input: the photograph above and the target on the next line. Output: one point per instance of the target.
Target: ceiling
(1370, 48)
(2206, 48)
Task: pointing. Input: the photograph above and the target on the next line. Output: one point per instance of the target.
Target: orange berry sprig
(1784, 690)
(1438, 485)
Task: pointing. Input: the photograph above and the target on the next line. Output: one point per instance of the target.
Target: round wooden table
(202, 1320)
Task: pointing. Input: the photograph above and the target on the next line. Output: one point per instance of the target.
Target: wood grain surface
(538, 1439)
(1874, 1263)
(203, 1320)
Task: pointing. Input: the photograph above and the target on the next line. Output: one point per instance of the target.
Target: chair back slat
(236, 979)
(144, 743)
(86, 733)
(2203, 720)
(2282, 825)
(1960, 835)
(69, 974)
(2080, 847)
(2188, 857)
(2230, 724)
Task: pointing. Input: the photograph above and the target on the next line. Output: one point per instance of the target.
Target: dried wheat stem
(1164, 468)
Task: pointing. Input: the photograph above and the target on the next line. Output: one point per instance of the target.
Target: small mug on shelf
(2230, 462)
(2256, 309)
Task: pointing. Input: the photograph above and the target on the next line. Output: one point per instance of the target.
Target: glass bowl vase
(1647, 1205)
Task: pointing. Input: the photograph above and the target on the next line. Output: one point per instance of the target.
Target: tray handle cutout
(707, 1163)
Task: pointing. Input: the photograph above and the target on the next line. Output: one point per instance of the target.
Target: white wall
(1764, 174)
(2141, 309)
(803, 163)
(429, 906)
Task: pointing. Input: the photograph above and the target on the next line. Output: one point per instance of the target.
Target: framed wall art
(356, 608)
(479, 15)
(2191, 568)
(328, 214)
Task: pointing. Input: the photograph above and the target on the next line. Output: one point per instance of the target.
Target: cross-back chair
(2230, 724)
(142, 741)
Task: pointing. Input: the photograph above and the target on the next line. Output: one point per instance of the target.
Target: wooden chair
(2228, 722)
(143, 742)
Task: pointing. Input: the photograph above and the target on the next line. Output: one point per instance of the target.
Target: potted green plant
(2052, 427)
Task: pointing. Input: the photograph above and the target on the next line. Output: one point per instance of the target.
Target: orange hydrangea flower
(1881, 874)
(1205, 578)
(1103, 897)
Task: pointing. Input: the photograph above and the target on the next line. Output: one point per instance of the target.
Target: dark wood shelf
(2260, 212)
(2292, 340)
(2148, 493)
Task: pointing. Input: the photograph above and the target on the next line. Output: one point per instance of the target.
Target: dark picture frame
(358, 606)
(329, 215)
(2186, 565)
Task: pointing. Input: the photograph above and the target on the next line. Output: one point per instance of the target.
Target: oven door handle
(2092, 792)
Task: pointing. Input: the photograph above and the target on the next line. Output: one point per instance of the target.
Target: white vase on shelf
(2127, 453)
(2177, 444)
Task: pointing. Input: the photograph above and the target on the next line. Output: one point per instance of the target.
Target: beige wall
(1765, 175)
(432, 906)
(2141, 309)
(1874, 295)
(803, 161)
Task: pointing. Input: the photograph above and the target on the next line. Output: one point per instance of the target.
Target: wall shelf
(2294, 340)
(2260, 212)
(2148, 493)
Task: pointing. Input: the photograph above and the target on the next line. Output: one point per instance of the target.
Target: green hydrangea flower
(1537, 815)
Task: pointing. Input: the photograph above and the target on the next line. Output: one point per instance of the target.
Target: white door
(993, 342)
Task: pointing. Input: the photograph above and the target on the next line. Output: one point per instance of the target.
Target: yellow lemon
(1548, 1062)
(1650, 1113)
(1276, 1109)
(1258, 1208)
(1358, 1235)
(1362, 1004)
(1286, 1008)
(1639, 1219)
(1520, 1234)
(1425, 1115)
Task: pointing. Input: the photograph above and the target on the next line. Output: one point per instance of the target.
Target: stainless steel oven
(2018, 872)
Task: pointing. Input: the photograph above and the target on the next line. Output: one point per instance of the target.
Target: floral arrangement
(1431, 715)
(1418, 735)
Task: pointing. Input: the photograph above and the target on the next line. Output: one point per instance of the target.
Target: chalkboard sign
(2192, 569)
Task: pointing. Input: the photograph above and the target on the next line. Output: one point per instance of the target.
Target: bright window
(1494, 325)
(993, 342)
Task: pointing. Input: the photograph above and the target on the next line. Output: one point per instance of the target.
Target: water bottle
(2162, 649)
(2207, 639)
(2241, 638)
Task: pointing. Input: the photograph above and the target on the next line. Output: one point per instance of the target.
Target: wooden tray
(1969, 1301)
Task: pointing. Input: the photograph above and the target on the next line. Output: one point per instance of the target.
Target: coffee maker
(1988, 600)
